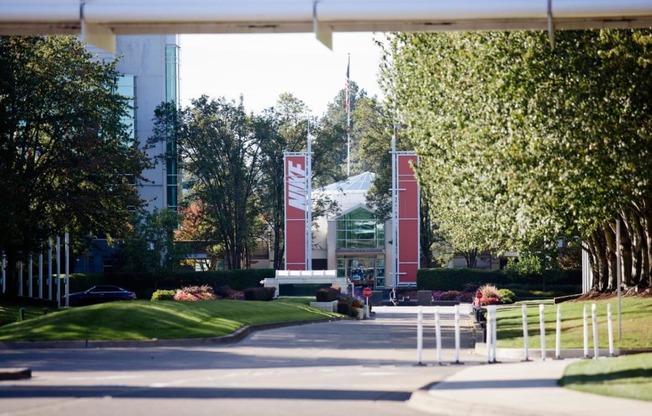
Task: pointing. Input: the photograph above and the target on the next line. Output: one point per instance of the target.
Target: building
(149, 68)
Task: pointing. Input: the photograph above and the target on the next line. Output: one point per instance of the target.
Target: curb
(517, 354)
(234, 337)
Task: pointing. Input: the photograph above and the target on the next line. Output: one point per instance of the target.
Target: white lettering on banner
(297, 186)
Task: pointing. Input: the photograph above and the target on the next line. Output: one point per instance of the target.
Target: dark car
(100, 294)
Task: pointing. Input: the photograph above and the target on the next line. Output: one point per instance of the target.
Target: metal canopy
(100, 20)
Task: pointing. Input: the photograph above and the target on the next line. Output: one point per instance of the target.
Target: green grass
(140, 320)
(636, 321)
(9, 312)
(627, 376)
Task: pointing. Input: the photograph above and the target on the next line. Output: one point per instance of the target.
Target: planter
(360, 312)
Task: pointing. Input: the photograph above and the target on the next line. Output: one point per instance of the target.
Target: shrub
(344, 307)
(194, 293)
(225, 292)
(456, 279)
(259, 293)
(465, 297)
(163, 295)
(327, 294)
(506, 296)
(450, 295)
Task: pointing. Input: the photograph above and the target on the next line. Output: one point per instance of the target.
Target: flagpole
(348, 118)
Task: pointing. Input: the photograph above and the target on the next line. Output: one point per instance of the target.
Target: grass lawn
(140, 319)
(636, 321)
(628, 376)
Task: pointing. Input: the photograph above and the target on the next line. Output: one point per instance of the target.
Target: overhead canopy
(100, 20)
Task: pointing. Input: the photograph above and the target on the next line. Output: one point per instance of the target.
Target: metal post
(585, 331)
(610, 331)
(594, 318)
(395, 242)
(558, 334)
(525, 333)
(438, 334)
(542, 331)
(308, 211)
(20, 278)
(619, 281)
(67, 289)
(58, 278)
(419, 335)
(50, 268)
(30, 277)
(40, 275)
(4, 272)
(494, 334)
(457, 334)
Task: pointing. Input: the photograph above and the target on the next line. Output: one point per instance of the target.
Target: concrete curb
(150, 343)
(516, 354)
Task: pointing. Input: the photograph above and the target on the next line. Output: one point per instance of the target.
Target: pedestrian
(392, 297)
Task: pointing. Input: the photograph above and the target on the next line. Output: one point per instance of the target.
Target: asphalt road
(362, 367)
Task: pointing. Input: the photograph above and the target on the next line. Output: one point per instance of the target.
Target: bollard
(525, 334)
(594, 318)
(419, 335)
(457, 334)
(558, 334)
(488, 332)
(542, 331)
(491, 333)
(494, 341)
(21, 314)
(610, 331)
(438, 334)
(585, 332)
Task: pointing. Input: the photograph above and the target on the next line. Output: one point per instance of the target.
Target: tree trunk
(626, 250)
(610, 253)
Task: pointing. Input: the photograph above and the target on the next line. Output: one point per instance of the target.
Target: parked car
(100, 294)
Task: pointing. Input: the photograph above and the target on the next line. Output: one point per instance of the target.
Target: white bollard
(610, 330)
(30, 277)
(457, 334)
(585, 332)
(488, 332)
(419, 335)
(525, 333)
(491, 333)
(594, 317)
(494, 341)
(58, 280)
(49, 268)
(542, 331)
(40, 275)
(558, 334)
(438, 334)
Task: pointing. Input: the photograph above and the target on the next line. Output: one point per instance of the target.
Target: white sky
(261, 67)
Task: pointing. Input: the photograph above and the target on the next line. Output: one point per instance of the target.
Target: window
(360, 229)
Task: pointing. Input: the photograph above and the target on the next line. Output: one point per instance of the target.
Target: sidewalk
(518, 389)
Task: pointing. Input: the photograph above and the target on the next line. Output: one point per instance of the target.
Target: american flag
(347, 87)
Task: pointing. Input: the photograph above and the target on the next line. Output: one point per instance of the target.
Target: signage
(366, 292)
(296, 190)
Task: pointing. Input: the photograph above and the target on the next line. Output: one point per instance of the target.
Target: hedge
(457, 279)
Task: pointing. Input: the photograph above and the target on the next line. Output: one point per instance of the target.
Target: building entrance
(363, 270)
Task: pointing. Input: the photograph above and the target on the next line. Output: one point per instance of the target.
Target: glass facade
(360, 229)
(172, 95)
(127, 88)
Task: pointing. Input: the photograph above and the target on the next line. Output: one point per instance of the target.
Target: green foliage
(524, 265)
(455, 279)
(521, 143)
(150, 247)
(68, 163)
(163, 294)
(506, 296)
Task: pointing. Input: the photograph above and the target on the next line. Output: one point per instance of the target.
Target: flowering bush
(194, 293)
(487, 295)
(436, 295)
(450, 295)
(162, 294)
(466, 297)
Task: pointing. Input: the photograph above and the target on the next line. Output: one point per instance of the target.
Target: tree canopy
(522, 144)
(66, 158)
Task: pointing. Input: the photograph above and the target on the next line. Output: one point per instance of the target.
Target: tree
(66, 162)
(219, 146)
(522, 144)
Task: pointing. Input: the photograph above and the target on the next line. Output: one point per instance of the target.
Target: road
(360, 367)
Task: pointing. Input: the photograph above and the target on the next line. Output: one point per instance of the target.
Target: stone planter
(360, 312)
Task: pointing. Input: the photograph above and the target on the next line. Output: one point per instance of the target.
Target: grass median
(142, 320)
(636, 321)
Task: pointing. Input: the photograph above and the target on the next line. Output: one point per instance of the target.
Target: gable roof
(361, 182)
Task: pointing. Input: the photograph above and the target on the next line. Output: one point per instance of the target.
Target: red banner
(296, 188)
(408, 220)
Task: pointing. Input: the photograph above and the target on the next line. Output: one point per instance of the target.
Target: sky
(261, 67)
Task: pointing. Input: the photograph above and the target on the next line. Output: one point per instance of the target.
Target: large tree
(219, 147)
(523, 144)
(66, 163)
